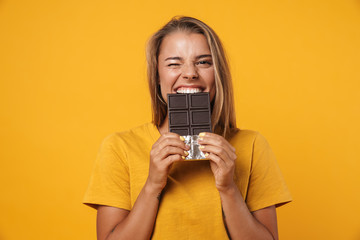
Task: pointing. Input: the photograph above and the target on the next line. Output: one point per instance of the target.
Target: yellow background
(72, 72)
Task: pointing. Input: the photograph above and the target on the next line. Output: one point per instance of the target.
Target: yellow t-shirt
(190, 206)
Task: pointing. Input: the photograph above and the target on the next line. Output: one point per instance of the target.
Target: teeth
(189, 90)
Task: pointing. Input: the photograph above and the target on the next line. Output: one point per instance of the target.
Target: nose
(189, 72)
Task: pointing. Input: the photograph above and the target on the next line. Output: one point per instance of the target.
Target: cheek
(209, 77)
(168, 78)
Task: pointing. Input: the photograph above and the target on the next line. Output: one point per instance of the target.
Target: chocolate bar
(189, 113)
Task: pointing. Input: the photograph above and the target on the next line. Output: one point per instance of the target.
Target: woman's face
(185, 65)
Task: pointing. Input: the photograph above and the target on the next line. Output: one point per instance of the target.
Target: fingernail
(182, 138)
(200, 139)
(186, 153)
(206, 154)
(183, 157)
(202, 134)
(201, 147)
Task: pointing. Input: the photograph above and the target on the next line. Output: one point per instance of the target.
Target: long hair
(223, 112)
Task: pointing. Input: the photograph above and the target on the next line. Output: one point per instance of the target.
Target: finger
(159, 146)
(166, 164)
(166, 135)
(172, 143)
(170, 135)
(172, 139)
(163, 167)
(170, 150)
(216, 140)
(218, 151)
(216, 159)
(174, 158)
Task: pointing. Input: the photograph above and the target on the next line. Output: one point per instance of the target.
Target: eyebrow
(197, 57)
(173, 58)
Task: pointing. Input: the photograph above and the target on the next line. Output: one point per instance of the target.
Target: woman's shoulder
(247, 137)
(244, 135)
(143, 132)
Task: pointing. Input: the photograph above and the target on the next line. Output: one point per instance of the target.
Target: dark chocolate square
(184, 131)
(179, 118)
(178, 101)
(199, 101)
(199, 117)
(196, 131)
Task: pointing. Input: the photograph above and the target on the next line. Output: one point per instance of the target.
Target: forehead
(181, 43)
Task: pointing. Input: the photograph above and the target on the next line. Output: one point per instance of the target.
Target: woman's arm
(240, 222)
(115, 223)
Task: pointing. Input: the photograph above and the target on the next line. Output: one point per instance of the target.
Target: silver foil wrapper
(195, 152)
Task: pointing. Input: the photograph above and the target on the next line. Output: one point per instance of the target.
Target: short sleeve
(109, 183)
(266, 184)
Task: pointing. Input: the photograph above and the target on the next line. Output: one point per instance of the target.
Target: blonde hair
(223, 112)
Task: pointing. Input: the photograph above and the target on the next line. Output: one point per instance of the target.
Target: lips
(189, 90)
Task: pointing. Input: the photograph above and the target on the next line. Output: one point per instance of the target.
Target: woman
(141, 185)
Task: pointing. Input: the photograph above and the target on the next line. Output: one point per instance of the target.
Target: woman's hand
(222, 159)
(169, 148)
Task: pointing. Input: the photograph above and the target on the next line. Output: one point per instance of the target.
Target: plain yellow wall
(72, 72)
